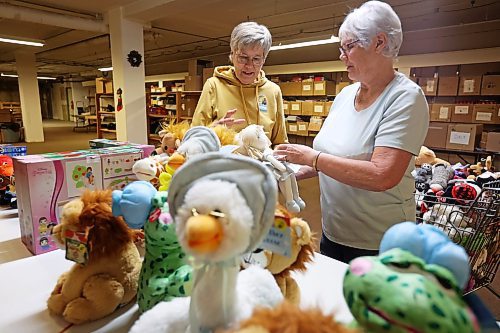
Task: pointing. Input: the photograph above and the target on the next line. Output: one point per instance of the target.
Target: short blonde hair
(368, 20)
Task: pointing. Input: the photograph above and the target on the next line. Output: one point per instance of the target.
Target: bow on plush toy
(164, 273)
(414, 285)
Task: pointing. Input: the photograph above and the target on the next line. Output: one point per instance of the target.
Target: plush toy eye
(444, 282)
(403, 264)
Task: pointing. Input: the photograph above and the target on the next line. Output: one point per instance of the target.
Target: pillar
(126, 36)
(30, 96)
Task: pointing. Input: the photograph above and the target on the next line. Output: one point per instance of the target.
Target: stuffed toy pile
(107, 262)
(414, 285)
(215, 230)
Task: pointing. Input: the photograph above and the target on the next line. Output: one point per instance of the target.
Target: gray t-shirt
(398, 118)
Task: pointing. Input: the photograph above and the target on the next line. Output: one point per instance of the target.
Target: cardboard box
(469, 85)
(341, 85)
(291, 88)
(436, 135)
(326, 108)
(46, 182)
(318, 108)
(5, 116)
(195, 66)
(307, 88)
(441, 112)
(485, 114)
(193, 83)
(286, 107)
(463, 136)
(147, 150)
(108, 87)
(315, 124)
(207, 73)
(189, 104)
(429, 85)
(322, 88)
(296, 108)
(292, 128)
(490, 85)
(307, 108)
(490, 141)
(462, 113)
(302, 128)
(448, 85)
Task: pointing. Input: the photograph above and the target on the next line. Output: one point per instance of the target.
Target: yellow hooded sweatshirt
(258, 103)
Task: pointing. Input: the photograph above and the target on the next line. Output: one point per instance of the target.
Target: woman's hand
(228, 120)
(293, 153)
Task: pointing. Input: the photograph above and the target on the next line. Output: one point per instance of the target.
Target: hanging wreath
(134, 58)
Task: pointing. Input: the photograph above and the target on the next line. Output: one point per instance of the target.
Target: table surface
(26, 282)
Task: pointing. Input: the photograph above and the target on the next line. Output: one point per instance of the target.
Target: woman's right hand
(228, 120)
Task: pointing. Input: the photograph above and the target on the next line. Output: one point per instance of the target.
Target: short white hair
(251, 34)
(372, 18)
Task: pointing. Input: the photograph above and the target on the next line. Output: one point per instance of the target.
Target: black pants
(341, 252)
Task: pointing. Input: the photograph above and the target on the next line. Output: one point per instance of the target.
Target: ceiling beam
(136, 8)
(49, 18)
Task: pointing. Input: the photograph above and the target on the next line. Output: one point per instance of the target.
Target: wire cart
(473, 224)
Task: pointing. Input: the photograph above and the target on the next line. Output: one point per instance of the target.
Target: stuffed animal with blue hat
(165, 273)
(414, 285)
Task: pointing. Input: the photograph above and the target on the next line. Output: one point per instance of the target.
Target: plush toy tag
(77, 248)
(278, 239)
(155, 214)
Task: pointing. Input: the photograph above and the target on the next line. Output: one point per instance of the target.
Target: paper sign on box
(461, 138)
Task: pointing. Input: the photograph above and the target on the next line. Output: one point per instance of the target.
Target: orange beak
(176, 160)
(204, 233)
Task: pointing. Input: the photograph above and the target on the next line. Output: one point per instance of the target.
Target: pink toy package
(45, 183)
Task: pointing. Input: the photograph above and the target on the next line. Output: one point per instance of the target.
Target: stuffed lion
(107, 266)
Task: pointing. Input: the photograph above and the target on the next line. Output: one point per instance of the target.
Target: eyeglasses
(346, 49)
(243, 60)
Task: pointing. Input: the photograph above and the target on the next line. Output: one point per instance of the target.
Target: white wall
(79, 93)
(58, 101)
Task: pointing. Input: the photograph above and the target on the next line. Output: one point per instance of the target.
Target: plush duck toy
(223, 206)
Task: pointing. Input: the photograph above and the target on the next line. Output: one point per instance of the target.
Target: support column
(125, 37)
(405, 70)
(30, 96)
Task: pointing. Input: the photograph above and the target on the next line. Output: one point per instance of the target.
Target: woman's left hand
(293, 153)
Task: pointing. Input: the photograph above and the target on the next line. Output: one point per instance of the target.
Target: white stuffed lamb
(253, 142)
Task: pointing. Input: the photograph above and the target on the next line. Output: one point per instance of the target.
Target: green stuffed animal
(397, 292)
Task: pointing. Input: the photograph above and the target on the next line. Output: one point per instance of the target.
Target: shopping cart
(473, 224)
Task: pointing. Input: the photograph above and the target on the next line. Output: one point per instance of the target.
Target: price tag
(77, 248)
(461, 138)
(318, 108)
(443, 112)
(483, 116)
(468, 86)
(319, 86)
(461, 109)
(278, 238)
(430, 86)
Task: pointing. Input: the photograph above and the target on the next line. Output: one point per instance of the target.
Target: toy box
(12, 151)
(46, 182)
(105, 143)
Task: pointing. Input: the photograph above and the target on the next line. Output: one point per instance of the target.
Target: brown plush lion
(108, 264)
(289, 318)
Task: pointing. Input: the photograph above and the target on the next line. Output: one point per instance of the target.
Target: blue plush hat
(431, 244)
(134, 203)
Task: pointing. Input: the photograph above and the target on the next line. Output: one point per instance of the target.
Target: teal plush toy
(164, 273)
(399, 291)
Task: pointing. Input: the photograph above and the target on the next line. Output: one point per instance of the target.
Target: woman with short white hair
(365, 150)
(241, 95)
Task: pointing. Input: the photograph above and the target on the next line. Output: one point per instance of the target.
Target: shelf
(155, 115)
(109, 113)
(154, 137)
(185, 118)
(107, 130)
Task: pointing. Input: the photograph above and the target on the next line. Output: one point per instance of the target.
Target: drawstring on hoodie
(247, 117)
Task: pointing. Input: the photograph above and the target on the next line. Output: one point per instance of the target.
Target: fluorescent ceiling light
(38, 77)
(105, 69)
(16, 40)
(330, 40)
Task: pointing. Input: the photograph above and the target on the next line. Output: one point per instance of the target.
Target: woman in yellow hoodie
(241, 95)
